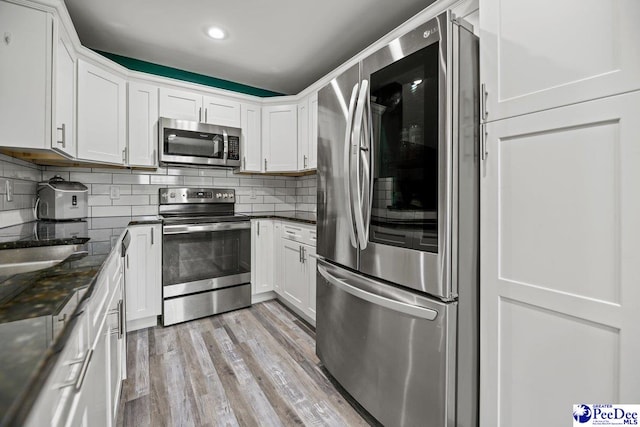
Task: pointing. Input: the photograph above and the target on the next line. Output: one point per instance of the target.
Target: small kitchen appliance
(61, 200)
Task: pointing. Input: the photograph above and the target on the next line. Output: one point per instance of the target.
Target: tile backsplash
(124, 192)
(23, 178)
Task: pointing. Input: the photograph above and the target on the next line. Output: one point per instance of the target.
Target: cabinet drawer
(299, 233)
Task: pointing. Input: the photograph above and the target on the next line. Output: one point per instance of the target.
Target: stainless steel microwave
(193, 143)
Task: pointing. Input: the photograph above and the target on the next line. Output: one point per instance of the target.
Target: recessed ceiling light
(216, 33)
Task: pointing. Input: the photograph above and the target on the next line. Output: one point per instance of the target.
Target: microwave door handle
(347, 165)
(225, 146)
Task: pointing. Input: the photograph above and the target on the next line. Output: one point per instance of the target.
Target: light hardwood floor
(251, 367)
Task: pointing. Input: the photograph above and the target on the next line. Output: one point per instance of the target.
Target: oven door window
(190, 257)
(405, 119)
(193, 144)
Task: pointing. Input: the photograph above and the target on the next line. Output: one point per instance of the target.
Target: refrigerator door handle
(402, 307)
(359, 151)
(347, 165)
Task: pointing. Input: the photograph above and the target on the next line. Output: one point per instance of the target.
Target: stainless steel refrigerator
(398, 184)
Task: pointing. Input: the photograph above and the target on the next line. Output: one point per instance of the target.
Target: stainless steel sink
(24, 260)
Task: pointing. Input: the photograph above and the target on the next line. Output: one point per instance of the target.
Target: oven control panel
(196, 195)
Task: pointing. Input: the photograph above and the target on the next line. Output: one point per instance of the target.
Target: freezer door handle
(410, 309)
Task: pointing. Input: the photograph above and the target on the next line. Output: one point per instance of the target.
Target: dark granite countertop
(298, 216)
(30, 333)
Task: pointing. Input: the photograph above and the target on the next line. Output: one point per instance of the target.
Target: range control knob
(225, 195)
(218, 195)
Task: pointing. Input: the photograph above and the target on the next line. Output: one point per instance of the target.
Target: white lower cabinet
(84, 387)
(143, 268)
(262, 259)
(296, 268)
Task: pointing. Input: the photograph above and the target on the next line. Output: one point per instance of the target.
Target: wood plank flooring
(251, 367)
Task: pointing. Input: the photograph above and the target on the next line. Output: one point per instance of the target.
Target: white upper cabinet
(185, 105)
(64, 95)
(313, 131)
(143, 124)
(102, 132)
(25, 76)
(222, 112)
(303, 133)
(280, 138)
(251, 147)
(180, 105)
(537, 55)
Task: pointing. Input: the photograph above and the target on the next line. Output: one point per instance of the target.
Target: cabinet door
(143, 124)
(537, 55)
(310, 266)
(180, 105)
(114, 360)
(102, 133)
(65, 94)
(25, 76)
(251, 138)
(221, 112)
(303, 134)
(143, 287)
(294, 280)
(264, 261)
(313, 131)
(560, 217)
(280, 138)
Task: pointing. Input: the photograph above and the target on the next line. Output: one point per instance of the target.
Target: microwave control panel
(234, 148)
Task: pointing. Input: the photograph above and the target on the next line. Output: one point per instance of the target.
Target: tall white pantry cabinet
(560, 208)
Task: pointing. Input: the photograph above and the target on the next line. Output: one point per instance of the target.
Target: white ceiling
(279, 45)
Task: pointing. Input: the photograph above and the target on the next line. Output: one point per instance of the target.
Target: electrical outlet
(253, 193)
(114, 192)
(9, 190)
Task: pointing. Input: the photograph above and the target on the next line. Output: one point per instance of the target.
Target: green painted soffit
(187, 76)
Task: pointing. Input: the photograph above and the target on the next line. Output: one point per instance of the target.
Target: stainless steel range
(206, 254)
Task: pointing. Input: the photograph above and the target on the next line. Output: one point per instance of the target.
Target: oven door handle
(201, 228)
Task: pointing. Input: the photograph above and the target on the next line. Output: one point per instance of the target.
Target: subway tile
(94, 200)
(243, 191)
(248, 199)
(198, 180)
(137, 199)
(106, 188)
(169, 180)
(274, 183)
(131, 179)
(291, 183)
(273, 199)
(264, 207)
(100, 235)
(146, 189)
(144, 210)
(290, 199)
(219, 173)
(91, 178)
(183, 171)
(154, 199)
(24, 187)
(265, 191)
(226, 182)
(285, 207)
(98, 211)
(242, 207)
